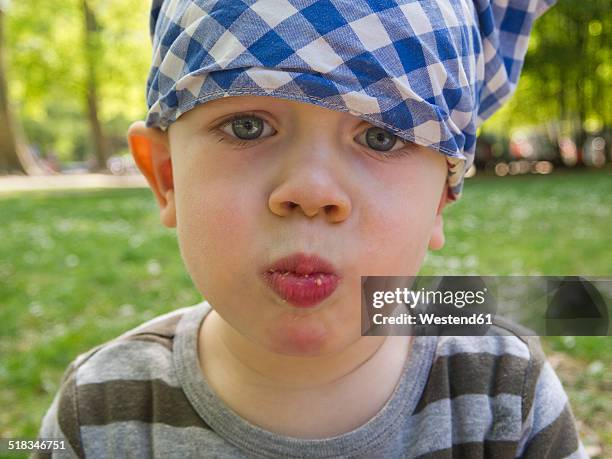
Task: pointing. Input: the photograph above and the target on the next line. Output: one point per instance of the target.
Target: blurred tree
(92, 54)
(567, 73)
(8, 142)
(566, 76)
(51, 65)
(15, 157)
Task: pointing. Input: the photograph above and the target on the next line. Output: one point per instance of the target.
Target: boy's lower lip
(302, 290)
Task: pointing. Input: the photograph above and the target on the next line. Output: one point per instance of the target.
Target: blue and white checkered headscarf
(430, 71)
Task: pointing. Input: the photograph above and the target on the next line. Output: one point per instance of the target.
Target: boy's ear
(436, 241)
(151, 151)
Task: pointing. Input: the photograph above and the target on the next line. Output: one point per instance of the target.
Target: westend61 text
(432, 319)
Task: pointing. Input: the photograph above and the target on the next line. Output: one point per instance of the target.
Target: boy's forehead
(429, 71)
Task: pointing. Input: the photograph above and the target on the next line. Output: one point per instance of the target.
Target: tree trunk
(9, 161)
(14, 155)
(92, 47)
(581, 89)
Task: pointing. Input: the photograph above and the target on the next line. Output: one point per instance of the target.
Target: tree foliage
(48, 69)
(15, 157)
(566, 74)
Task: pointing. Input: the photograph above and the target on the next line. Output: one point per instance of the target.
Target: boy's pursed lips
(302, 280)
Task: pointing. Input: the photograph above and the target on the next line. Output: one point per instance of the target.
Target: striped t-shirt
(143, 395)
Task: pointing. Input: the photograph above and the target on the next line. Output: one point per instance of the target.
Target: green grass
(76, 269)
(526, 225)
(79, 268)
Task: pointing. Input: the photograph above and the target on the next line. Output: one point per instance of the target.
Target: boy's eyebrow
(245, 104)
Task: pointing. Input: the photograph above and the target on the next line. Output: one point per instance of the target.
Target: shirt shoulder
(160, 330)
(482, 367)
(504, 379)
(128, 380)
(142, 353)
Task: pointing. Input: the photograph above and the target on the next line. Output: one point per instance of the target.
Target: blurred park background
(79, 267)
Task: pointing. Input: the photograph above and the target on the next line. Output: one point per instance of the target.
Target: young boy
(297, 146)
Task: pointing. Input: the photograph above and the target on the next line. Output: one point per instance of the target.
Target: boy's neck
(255, 365)
(298, 396)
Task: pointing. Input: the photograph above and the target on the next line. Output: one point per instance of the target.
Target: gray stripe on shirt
(496, 345)
(479, 410)
(155, 440)
(132, 359)
(550, 397)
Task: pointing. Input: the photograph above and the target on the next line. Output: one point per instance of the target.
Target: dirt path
(19, 183)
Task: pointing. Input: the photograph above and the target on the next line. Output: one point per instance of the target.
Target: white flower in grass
(596, 368)
(72, 261)
(154, 268)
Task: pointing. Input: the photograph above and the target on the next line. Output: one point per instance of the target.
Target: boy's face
(307, 182)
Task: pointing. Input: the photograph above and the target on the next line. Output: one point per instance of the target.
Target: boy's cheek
(401, 254)
(220, 230)
(395, 236)
(215, 233)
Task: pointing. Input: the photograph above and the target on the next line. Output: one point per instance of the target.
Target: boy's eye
(380, 139)
(247, 127)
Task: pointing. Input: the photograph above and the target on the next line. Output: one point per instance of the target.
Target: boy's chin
(306, 336)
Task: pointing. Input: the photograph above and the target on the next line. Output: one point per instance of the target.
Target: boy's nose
(309, 185)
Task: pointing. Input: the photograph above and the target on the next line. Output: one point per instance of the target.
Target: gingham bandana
(430, 71)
